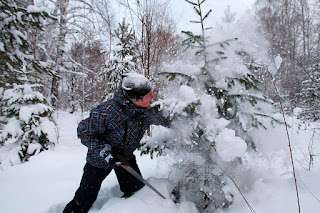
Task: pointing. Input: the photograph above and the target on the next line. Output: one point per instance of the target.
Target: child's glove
(108, 157)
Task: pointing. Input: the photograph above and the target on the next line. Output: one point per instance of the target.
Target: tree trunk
(62, 5)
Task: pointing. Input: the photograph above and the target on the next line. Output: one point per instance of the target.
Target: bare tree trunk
(143, 37)
(146, 44)
(302, 6)
(62, 5)
(34, 36)
(148, 47)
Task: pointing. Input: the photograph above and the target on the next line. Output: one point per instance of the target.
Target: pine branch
(207, 14)
(174, 74)
(251, 97)
(191, 2)
(268, 116)
(78, 64)
(198, 11)
(222, 43)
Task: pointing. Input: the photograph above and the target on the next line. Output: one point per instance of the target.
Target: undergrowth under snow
(48, 181)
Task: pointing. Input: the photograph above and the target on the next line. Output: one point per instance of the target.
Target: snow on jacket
(116, 122)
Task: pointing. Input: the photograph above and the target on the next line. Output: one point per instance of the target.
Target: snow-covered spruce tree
(310, 95)
(212, 113)
(28, 127)
(15, 50)
(123, 55)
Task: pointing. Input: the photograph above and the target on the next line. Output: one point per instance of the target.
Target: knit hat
(135, 86)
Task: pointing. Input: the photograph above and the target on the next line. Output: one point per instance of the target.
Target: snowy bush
(29, 128)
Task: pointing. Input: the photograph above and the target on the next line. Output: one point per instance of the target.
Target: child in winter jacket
(115, 128)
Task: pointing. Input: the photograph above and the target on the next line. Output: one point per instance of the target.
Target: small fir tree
(123, 56)
(30, 127)
(213, 111)
(310, 95)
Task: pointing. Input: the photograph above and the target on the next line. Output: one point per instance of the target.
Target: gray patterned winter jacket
(116, 122)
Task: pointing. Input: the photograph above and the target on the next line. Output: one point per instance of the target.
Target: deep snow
(48, 181)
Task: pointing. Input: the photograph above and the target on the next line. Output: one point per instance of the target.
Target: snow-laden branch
(80, 65)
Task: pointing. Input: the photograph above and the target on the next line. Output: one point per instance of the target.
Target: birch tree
(77, 20)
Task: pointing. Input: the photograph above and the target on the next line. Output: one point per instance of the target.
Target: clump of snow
(278, 61)
(49, 128)
(297, 111)
(13, 129)
(2, 47)
(229, 146)
(36, 9)
(34, 148)
(26, 112)
(160, 135)
(178, 101)
(278, 116)
(181, 67)
(187, 93)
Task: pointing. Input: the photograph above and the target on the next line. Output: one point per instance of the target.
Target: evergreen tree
(30, 127)
(16, 55)
(213, 111)
(25, 113)
(310, 95)
(123, 55)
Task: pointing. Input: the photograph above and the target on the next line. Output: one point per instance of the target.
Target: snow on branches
(30, 127)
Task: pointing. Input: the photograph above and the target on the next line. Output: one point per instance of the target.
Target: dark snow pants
(91, 182)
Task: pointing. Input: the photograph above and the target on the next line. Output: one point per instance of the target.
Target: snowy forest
(236, 89)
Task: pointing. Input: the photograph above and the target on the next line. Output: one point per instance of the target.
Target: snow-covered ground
(48, 181)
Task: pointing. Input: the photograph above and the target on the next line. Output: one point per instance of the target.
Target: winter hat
(135, 86)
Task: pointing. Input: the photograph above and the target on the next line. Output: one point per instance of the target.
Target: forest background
(80, 43)
(68, 55)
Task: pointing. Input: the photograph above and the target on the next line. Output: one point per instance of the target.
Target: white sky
(183, 12)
